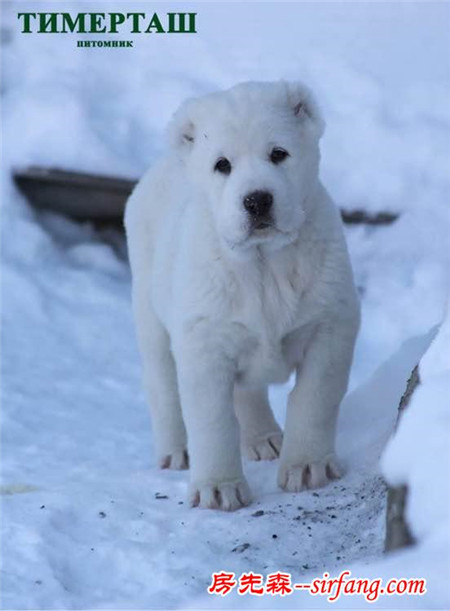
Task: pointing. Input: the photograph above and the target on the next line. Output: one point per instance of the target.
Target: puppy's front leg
(307, 458)
(206, 379)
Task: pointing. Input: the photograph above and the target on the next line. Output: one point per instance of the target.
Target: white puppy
(241, 275)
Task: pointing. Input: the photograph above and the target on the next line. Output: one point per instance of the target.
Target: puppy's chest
(271, 312)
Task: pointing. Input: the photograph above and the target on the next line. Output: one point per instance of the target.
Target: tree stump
(398, 534)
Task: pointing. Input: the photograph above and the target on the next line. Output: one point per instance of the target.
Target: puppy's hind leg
(160, 381)
(261, 437)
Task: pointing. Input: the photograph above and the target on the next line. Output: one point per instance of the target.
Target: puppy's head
(253, 154)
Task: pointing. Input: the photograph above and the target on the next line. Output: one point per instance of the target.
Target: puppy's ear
(305, 107)
(181, 129)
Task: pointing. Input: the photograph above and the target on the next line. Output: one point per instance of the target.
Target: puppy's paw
(223, 495)
(177, 460)
(308, 474)
(264, 448)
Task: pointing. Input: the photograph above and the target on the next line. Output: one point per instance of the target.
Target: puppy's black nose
(258, 203)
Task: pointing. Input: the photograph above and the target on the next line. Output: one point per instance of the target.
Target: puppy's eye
(223, 166)
(278, 155)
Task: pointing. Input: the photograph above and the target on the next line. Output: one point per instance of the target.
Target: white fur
(222, 313)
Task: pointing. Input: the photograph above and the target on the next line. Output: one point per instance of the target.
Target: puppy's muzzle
(258, 205)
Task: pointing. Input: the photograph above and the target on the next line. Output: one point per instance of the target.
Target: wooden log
(82, 197)
(101, 199)
(361, 217)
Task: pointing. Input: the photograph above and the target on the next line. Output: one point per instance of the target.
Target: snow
(437, 358)
(85, 520)
(427, 471)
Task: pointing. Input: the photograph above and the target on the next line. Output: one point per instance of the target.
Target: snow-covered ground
(87, 519)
